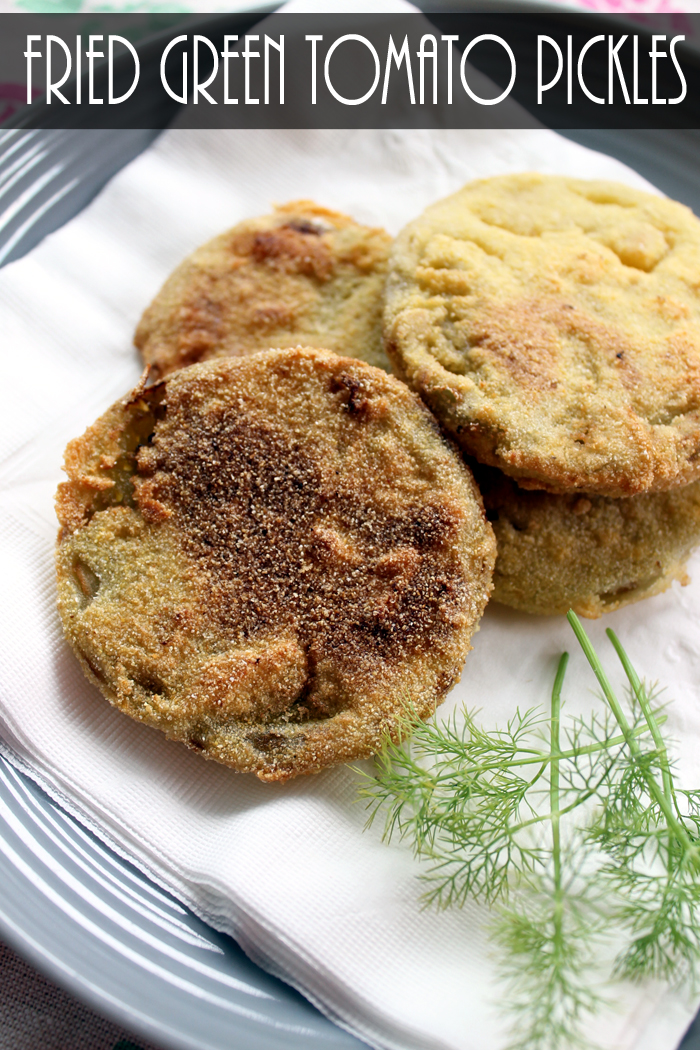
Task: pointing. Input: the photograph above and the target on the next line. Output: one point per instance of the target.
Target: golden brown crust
(553, 326)
(303, 275)
(269, 557)
(589, 553)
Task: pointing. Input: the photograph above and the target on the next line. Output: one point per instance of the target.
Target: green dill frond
(570, 829)
(689, 809)
(548, 944)
(662, 913)
(461, 795)
(648, 833)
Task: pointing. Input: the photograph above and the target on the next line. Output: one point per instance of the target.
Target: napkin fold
(288, 870)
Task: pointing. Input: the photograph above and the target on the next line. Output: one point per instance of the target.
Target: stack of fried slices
(275, 555)
(553, 326)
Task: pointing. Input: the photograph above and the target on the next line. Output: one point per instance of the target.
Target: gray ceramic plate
(75, 909)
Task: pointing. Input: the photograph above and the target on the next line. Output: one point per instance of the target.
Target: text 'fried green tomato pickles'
(270, 557)
(592, 554)
(303, 275)
(553, 326)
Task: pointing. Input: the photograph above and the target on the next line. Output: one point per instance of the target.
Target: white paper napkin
(288, 869)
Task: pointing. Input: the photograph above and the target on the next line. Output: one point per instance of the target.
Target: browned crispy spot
(278, 546)
(293, 251)
(304, 226)
(272, 315)
(200, 328)
(521, 337)
(353, 396)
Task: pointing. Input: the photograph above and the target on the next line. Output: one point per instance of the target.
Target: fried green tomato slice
(270, 557)
(553, 326)
(590, 553)
(301, 276)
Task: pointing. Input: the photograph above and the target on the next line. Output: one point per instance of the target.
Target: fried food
(301, 276)
(553, 326)
(269, 557)
(591, 553)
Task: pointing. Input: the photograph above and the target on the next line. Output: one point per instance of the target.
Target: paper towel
(288, 869)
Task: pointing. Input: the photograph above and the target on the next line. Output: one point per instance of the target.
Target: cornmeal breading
(592, 554)
(303, 275)
(270, 557)
(553, 326)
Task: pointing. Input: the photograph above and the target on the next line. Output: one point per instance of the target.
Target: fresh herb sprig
(649, 832)
(569, 830)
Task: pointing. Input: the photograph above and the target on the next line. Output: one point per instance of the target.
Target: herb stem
(643, 700)
(554, 772)
(541, 819)
(541, 758)
(655, 791)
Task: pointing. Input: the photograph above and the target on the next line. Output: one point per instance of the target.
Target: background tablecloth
(36, 1015)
